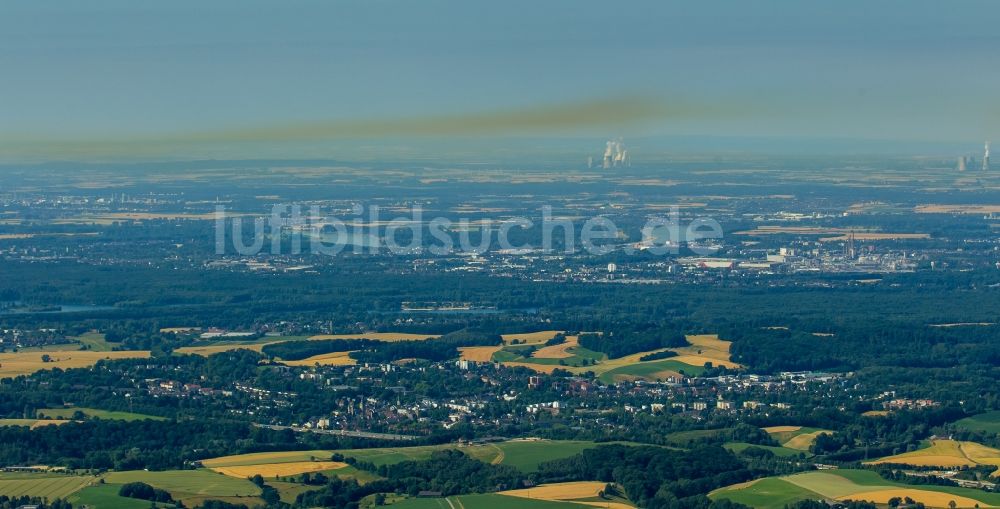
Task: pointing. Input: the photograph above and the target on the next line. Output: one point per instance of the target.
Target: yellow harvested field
(45, 485)
(876, 413)
(266, 458)
(979, 451)
(478, 353)
(957, 209)
(606, 505)
(531, 338)
(804, 441)
(279, 469)
(205, 351)
(928, 498)
(559, 491)
(628, 360)
(928, 460)
(664, 375)
(25, 363)
(539, 368)
(946, 453)
(560, 351)
(700, 360)
(705, 348)
(983, 455)
(380, 336)
(32, 423)
(49, 422)
(326, 359)
(737, 486)
(795, 437)
(781, 429)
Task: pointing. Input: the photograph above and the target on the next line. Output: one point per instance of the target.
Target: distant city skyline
(119, 79)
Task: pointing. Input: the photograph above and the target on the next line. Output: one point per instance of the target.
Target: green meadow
(67, 413)
(988, 422)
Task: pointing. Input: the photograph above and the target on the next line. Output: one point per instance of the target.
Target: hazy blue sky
(105, 70)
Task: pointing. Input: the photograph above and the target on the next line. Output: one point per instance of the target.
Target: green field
(66, 413)
(488, 501)
(349, 472)
(105, 496)
(739, 447)
(650, 370)
(94, 341)
(769, 493)
(42, 484)
(847, 483)
(849, 478)
(378, 456)
(988, 422)
(186, 483)
(289, 490)
(683, 437)
(513, 353)
(392, 455)
(248, 342)
(17, 422)
(526, 455)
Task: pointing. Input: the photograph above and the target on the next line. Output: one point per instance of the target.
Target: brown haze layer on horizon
(597, 115)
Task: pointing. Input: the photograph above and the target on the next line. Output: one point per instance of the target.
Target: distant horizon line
(564, 149)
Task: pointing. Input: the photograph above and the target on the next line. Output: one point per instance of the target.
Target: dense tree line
(144, 491)
(450, 472)
(145, 298)
(8, 502)
(867, 438)
(103, 386)
(137, 445)
(303, 349)
(620, 342)
(655, 356)
(558, 339)
(653, 477)
(370, 350)
(388, 352)
(866, 344)
(897, 475)
(220, 504)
